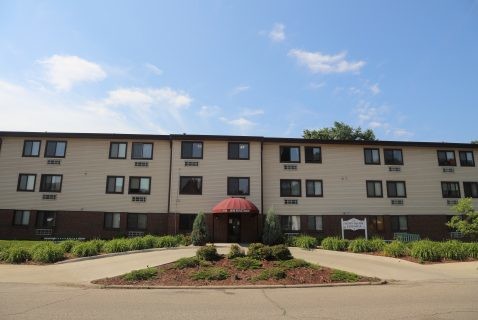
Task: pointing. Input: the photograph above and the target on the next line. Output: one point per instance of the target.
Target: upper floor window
(290, 188)
(46, 219)
(372, 155)
(55, 149)
(470, 189)
(26, 182)
(142, 151)
(446, 158)
(450, 189)
(313, 188)
(393, 156)
(114, 184)
(313, 155)
(399, 223)
(238, 151)
(137, 221)
(139, 185)
(237, 186)
(21, 218)
(191, 150)
(374, 189)
(51, 183)
(467, 159)
(314, 223)
(190, 185)
(118, 150)
(290, 223)
(31, 148)
(289, 154)
(396, 189)
(112, 220)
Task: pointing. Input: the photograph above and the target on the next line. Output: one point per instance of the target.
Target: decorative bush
(184, 239)
(396, 249)
(142, 274)
(199, 233)
(210, 274)
(168, 242)
(16, 255)
(190, 262)
(295, 263)
(99, 244)
(47, 253)
(245, 263)
(272, 232)
(344, 276)
(117, 245)
(426, 250)
(85, 249)
(472, 249)
(279, 252)
(208, 253)
(335, 243)
(235, 251)
(67, 245)
(360, 245)
(137, 243)
(376, 244)
(289, 240)
(454, 250)
(305, 242)
(274, 273)
(259, 251)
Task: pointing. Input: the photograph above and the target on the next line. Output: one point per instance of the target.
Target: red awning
(235, 205)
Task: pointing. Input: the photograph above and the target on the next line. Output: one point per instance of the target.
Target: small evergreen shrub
(259, 251)
(396, 249)
(344, 276)
(245, 263)
(376, 244)
(210, 274)
(279, 252)
(184, 239)
(47, 253)
(16, 254)
(168, 242)
(271, 273)
(295, 263)
(289, 240)
(272, 232)
(235, 252)
(117, 245)
(67, 245)
(454, 250)
(142, 274)
(306, 242)
(136, 243)
(208, 253)
(426, 250)
(85, 249)
(359, 245)
(190, 262)
(335, 243)
(199, 234)
(472, 249)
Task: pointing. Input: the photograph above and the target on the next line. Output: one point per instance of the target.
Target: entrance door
(234, 228)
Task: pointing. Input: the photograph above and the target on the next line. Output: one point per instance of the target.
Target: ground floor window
(137, 221)
(375, 223)
(112, 220)
(186, 221)
(314, 223)
(399, 223)
(21, 218)
(290, 223)
(46, 219)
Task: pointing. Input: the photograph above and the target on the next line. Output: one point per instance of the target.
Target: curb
(283, 286)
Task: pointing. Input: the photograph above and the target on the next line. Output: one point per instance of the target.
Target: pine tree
(199, 234)
(272, 233)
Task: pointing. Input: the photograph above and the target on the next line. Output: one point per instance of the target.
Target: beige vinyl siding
(84, 169)
(344, 174)
(214, 169)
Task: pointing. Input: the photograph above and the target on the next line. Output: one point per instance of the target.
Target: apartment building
(109, 185)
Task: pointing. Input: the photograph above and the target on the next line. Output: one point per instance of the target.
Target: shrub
(259, 251)
(305, 242)
(47, 253)
(335, 243)
(16, 255)
(99, 244)
(296, 263)
(85, 249)
(117, 245)
(376, 244)
(359, 245)
(344, 276)
(199, 233)
(137, 243)
(396, 249)
(168, 242)
(275, 273)
(426, 250)
(184, 239)
(472, 249)
(208, 253)
(67, 245)
(190, 262)
(210, 274)
(280, 252)
(272, 233)
(150, 241)
(289, 240)
(142, 274)
(235, 251)
(245, 263)
(454, 250)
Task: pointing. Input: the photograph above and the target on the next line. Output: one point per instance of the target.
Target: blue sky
(407, 69)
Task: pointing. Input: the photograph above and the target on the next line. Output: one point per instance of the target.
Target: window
(112, 220)
(289, 154)
(46, 219)
(372, 156)
(238, 151)
(374, 189)
(470, 189)
(396, 189)
(137, 221)
(142, 151)
(55, 149)
(467, 159)
(237, 186)
(313, 188)
(290, 223)
(399, 223)
(50, 183)
(26, 182)
(115, 184)
(191, 150)
(118, 150)
(290, 188)
(21, 218)
(190, 185)
(393, 156)
(313, 155)
(139, 185)
(31, 148)
(375, 223)
(450, 189)
(186, 222)
(314, 223)
(446, 158)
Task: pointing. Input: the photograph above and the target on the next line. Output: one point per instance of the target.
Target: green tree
(199, 233)
(474, 142)
(340, 131)
(272, 233)
(466, 220)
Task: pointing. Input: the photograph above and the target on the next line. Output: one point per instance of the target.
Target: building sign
(354, 225)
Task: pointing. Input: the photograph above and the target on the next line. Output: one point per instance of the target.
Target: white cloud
(251, 112)
(241, 123)
(154, 69)
(63, 72)
(375, 89)
(239, 89)
(208, 111)
(318, 62)
(402, 134)
(148, 97)
(277, 33)
(315, 85)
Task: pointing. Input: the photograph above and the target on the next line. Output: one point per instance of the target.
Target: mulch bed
(169, 276)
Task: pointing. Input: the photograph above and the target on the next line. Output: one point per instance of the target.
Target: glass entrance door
(234, 228)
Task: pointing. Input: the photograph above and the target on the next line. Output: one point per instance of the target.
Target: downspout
(262, 190)
(169, 185)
